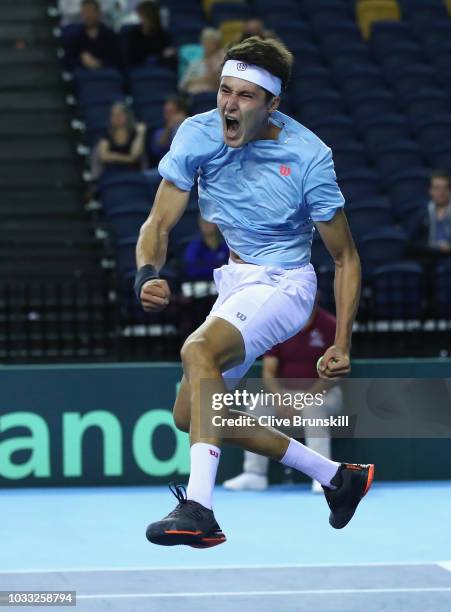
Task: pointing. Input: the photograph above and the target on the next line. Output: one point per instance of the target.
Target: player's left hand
(335, 363)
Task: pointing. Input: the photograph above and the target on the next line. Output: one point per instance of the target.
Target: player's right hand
(155, 295)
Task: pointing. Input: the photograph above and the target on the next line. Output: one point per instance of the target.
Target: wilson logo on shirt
(285, 170)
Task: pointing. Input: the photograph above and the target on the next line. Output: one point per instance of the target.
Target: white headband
(253, 74)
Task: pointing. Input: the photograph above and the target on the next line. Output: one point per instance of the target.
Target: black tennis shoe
(189, 523)
(353, 481)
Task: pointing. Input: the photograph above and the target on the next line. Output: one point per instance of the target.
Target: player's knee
(197, 353)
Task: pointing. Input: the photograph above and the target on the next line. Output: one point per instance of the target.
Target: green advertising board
(111, 424)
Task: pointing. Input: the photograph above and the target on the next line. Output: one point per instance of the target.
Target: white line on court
(172, 568)
(265, 593)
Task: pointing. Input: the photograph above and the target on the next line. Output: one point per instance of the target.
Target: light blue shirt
(264, 196)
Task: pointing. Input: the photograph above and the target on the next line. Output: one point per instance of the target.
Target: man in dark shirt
(95, 45)
(205, 254)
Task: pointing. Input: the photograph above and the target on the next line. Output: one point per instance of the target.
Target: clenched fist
(155, 295)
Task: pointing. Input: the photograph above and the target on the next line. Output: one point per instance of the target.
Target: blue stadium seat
(409, 79)
(443, 289)
(392, 158)
(437, 33)
(401, 54)
(332, 7)
(152, 80)
(150, 111)
(92, 84)
(380, 247)
(386, 34)
(336, 36)
(364, 217)
(187, 226)
(306, 52)
(408, 186)
(433, 131)
(383, 128)
(228, 11)
(289, 29)
(410, 215)
(350, 53)
(359, 184)
(426, 103)
(202, 102)
(266, 8)
(310, 77)
(349, 155)
(320, 256)
(356, 77)
(333, 130)
(126, 189)
(397, 291)
(186, 32)
(337, 13)
(440, 156)
(313, 107)
(421, 13)
(325, 278)
(126, 220)
(366, 104)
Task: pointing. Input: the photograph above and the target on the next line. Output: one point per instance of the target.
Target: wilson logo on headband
(241, 66)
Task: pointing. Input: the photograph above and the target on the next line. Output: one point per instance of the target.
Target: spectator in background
(203, 75)
(205, 254)
(254, 26)
(95, 45)
(174, 113)
(111, 9)
(296, 359)
(432, 238)
(149, 41)
(123, 148)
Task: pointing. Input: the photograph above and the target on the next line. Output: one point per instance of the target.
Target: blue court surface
(281, 554)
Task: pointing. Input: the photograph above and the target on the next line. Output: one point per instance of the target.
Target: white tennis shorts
(267, 305)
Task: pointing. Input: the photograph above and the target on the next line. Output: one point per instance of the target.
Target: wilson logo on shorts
(241, 316)
(214, 453)
(285, 170)
(241, 66)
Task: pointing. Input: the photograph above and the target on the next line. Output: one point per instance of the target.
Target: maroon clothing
(298, 355)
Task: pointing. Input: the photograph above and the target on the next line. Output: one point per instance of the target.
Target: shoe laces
(188, 508)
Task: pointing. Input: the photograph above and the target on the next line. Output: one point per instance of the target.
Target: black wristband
(144, 274)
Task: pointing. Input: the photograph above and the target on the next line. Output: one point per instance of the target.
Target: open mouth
(232, 127)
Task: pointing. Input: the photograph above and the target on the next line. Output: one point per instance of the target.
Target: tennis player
(265, 180)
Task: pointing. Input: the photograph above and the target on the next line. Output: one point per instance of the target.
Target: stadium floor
(281, 554)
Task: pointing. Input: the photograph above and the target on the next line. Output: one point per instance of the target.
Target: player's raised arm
(151, 249)
(338, 240)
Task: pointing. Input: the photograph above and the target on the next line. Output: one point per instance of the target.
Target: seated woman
(149, 41)
(123, 148)
(203, 75)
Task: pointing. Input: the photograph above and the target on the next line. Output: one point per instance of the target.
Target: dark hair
(91, 3)
(150, 10)
(441, 174)
(131, 123)
(180, 102)
(270, 54)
